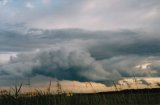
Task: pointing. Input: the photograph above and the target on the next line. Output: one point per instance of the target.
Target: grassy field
(126, 97)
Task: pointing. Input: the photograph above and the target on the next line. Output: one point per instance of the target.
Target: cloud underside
(75, 54)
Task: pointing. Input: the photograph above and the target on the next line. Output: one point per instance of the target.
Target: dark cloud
(61, 64)
(75, 54)
(34, 30)
(134, 47)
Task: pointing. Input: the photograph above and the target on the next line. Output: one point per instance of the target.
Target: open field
(125, 97)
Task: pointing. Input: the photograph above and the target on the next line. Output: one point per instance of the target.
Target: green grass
(127, 97)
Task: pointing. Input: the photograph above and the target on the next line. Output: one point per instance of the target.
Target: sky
(83, 40)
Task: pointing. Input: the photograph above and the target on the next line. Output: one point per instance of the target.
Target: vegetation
(137, 96)
(126, 97)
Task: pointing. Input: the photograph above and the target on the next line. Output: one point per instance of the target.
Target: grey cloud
(86, 14)
(60, 64)
(76, 53)
(80, 54)
(125, 66)
(110, 42)
(138, 47)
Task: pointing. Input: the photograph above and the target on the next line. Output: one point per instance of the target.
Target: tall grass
(126, 97)
(129, 97)
(16, 90)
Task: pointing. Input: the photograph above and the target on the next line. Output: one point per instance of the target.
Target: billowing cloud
(75, 54)
(60, 64)
(62, 39)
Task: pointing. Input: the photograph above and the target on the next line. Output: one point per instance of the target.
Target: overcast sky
(84, 40)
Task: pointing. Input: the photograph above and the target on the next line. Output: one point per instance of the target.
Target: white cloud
(144, 66)
(29, 5)
(5, 57)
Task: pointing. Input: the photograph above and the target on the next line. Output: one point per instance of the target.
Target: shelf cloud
(84, 40)
(75, 54)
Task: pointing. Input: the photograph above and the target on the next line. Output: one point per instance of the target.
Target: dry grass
(38, 97)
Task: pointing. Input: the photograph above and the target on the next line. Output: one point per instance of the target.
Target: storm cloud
(60, 64)
(85, 40)
(76, 54)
